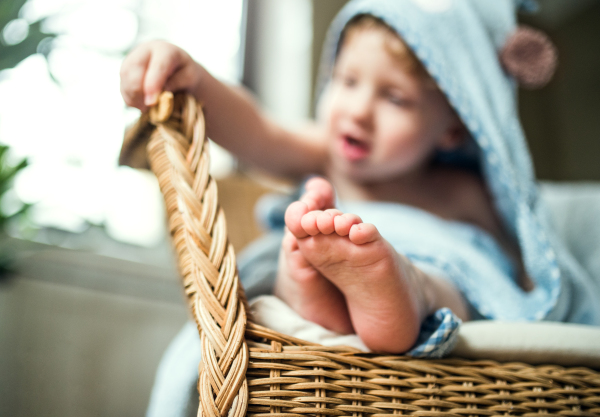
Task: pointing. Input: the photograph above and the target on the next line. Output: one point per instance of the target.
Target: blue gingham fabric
(439, 333)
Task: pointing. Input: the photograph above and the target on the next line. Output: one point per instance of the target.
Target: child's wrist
(200, 84)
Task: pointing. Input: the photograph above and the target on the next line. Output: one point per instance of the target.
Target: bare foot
(298, 283)
(382, 288)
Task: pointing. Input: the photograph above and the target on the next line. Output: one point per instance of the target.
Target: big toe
(289, 242)
(293, 217)
(319, 194)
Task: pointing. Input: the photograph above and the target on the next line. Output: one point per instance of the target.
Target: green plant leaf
(7, 174)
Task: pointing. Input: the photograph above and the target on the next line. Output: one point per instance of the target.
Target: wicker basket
(249, 369)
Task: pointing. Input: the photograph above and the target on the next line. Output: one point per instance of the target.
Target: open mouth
(354, 149)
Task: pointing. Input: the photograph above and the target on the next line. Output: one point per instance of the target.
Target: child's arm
(232, 117)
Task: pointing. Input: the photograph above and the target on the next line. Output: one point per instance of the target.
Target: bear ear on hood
(530, 57)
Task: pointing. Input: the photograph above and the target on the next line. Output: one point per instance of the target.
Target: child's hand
(154, 67)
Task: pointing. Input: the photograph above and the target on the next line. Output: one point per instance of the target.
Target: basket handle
(178, 155)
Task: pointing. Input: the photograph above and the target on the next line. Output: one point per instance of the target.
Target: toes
(344, 222)
(293, 217)
(319, 222)
(319, 191)
(309, 223)
(363, 233)
(313, 200)
(325, 221)
(289, 242)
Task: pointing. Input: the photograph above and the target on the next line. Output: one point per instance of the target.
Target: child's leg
(298, 283)
(386, 295)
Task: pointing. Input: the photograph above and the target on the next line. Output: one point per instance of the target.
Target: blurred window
(66, 115)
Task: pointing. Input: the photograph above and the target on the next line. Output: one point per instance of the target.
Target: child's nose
(361, 106)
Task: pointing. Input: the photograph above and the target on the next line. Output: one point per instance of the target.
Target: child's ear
(454, 137)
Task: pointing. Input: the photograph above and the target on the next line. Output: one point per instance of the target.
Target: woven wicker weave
(249, 369)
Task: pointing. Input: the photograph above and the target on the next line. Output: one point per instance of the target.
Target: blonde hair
(393, 44)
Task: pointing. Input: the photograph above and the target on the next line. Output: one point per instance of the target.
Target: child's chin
(359, 175)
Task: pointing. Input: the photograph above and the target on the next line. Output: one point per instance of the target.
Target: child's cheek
(325, 105)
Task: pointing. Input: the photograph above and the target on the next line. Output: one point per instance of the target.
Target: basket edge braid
(178, 155)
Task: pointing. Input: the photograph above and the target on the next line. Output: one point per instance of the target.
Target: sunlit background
(66, 115)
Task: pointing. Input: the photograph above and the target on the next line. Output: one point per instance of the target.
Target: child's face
(383, 121)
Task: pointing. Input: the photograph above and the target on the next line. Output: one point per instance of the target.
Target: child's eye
(395, 99)
(349, 81)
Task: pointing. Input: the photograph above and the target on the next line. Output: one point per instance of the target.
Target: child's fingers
(152, 68)
(132, 73)
(183, 79)
(163, 63)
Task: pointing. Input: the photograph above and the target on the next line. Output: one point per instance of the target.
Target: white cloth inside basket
(529, 342)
